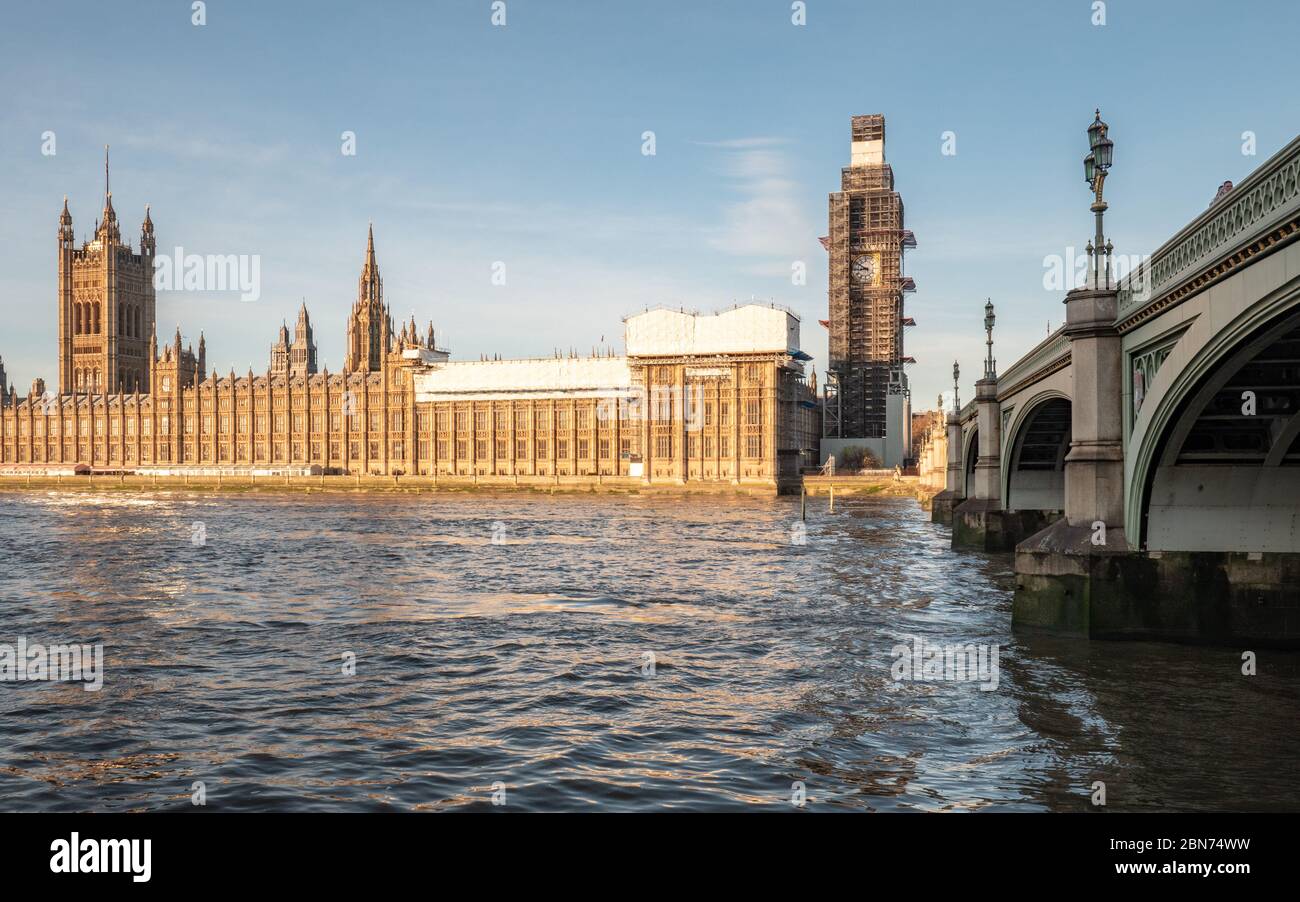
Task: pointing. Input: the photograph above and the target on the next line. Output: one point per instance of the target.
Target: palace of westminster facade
(713, 398)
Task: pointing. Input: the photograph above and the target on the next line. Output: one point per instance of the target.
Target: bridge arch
(970, 454)
(1209, 474)
(1033, 467)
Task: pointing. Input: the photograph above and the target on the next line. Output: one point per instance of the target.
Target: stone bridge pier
(1016, 444)
(1069, 575)
(953, 493)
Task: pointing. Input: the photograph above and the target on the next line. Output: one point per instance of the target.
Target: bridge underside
(1229, 476)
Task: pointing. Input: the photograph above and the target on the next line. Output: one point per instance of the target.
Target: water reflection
(504, 639)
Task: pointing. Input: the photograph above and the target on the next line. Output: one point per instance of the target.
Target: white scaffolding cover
(748, 329)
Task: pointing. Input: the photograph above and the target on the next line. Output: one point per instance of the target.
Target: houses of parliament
(696, 397)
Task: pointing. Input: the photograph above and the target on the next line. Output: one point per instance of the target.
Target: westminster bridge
(1143, 461)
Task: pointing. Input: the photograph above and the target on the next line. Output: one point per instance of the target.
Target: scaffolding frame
(866, 218)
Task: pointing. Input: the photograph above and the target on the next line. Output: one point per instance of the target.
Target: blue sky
(522, 144)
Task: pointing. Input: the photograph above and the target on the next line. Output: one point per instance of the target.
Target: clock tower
(866, 289)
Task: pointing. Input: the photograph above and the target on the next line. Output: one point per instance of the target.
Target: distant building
(697, 398)
(296, 358)
(867, 401)
(106, 305)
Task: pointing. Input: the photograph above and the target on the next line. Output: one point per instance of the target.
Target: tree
(855, 458)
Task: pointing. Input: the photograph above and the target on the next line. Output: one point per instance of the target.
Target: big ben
(866, 244)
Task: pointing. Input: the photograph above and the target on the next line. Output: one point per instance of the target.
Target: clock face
(864, 269)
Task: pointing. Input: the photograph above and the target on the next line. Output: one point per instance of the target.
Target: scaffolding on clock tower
(867, 286)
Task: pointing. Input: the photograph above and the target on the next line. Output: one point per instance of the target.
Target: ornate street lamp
(1096, 164)
(956, 375)
(990, 365)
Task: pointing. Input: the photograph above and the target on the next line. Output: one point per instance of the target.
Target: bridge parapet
(1255, 216)
(1047, 356)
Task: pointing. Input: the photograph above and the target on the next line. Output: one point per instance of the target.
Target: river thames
(583, 653)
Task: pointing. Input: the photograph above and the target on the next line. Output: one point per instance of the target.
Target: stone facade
(672, 411)
(106, 306)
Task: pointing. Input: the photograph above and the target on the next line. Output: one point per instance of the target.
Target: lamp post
(956, 374)
(1095, 166)
(990, 365)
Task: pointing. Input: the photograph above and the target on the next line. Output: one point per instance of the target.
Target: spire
(370, 328)
(109, 215)
(147, 244)
(371, 264)
(106, 229)
(65, 223)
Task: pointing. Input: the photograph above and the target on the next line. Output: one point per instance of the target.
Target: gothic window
(96, 331)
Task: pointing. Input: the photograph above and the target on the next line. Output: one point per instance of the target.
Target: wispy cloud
(769, 219)
(188, 145)
(743, 143)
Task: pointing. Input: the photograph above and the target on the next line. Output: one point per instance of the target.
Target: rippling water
(524, 662)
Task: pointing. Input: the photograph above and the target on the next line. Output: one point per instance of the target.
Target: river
(583, 652)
